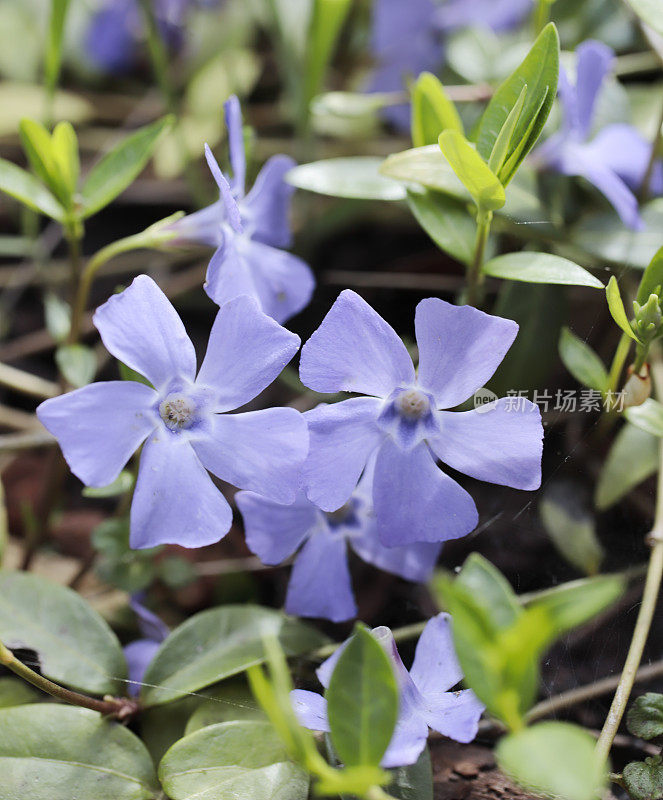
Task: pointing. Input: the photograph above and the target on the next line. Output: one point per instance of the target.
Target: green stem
(541, 15)
(118, 707)
(475, 272)
(647, 607)
(618, 361)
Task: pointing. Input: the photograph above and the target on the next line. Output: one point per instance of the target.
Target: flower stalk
(475, 274)
(120, 708)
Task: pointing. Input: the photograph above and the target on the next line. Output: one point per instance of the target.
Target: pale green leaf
(473, 172)
(573, 534)
(53, 55)
(356, 178)
(648, 417)
(498, 154)
(432, 111)
(650, 13)
(616, 307)
(25, 188)
(582, 362)
(77, 363)
(446, 221)
(540, 268)
(632, 459)
(652, 278)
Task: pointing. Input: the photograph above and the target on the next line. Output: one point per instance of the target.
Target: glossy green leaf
(575, 603)
(649, 12)
(77, 363)
(652, 278)
(555, 759)
(414, 782)
(25, 188)
(582, 362)
(645, 716)
(16, 692)
(227, 703)
(473, 172)
(616, 307)
(632, 458)
(162, 726)
(218, 643)
(121, 166)
(446, 221)
(65, 154)
(648, 417)
(426, 166)
(362, 701)
(573, 533)
(539, 72)
(539, 268)
(74, 644)
(644, 779)
(500, 151)
(240, 760)
(38, 147)
(484, 580)
(56, 752)
(432, 111)
(355, 178)
(53, 55)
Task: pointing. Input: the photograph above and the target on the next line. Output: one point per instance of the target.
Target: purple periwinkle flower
(407, 37)
(250, 232)
(425, 699)
(140, 652)
(404, 418)
(615, 159)
(320, 583)
(181, 417)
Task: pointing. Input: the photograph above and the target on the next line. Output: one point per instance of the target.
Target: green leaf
(119, 168)
(539, 72)
(644, 779)
(582, 362)
(16, 692)
(362, 701)
(573, 604)
(162, 726)
(554, 759)
(632, 458)
(240, 760)
(25, 188)
(65, 154)
(652, 278)
(573, 534)
(432, 111)
(36, 141)
(414, 782)
(229, 702)
(498, 154)
(326, 24)
(218, 643)
(121, 484)
(74, 644)
(645, 716)
(355, 178)
(77, 363)
(648, 417)
(426, 166)
(53, 55)
(477, 177)
(616, 308)
(484, 580)
(57, 316)
(62, 751)
(539, 268)
(446, 221)
(649, 12)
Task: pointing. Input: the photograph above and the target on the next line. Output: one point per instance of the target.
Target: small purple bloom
(140, 652)
(250, 232)
(320, 583)
(425, 699)
(407, 38)
(616, 158)
(181, 418)
(404, 418)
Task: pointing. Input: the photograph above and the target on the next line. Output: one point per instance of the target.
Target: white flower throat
(178, 412)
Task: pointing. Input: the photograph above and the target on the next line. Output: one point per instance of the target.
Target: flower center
(178, 412)
(343, 514)
(412, 404)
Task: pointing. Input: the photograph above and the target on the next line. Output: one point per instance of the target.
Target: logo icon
(484, 400)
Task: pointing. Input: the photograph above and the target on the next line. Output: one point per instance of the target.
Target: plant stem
(647, 608)
(541, 15)
(117, 707)
(475, 272)
(618, 361)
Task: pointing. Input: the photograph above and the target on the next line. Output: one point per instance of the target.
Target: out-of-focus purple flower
(117, 29)
(407, 38)
(250, 232)
(355, 350)
(425, 699)
(615, 159)
(140, 652)
(320, 583)
(181, 418)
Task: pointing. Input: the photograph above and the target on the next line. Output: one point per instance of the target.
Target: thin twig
(26, 382)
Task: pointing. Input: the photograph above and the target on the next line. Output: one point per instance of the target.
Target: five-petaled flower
(181, 417)
(425, 699)
(403, 418)
(320, 583)
(249, 232)
(615, 159)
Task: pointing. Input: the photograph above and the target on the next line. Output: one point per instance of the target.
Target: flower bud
(637, 387)
(648, 318)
